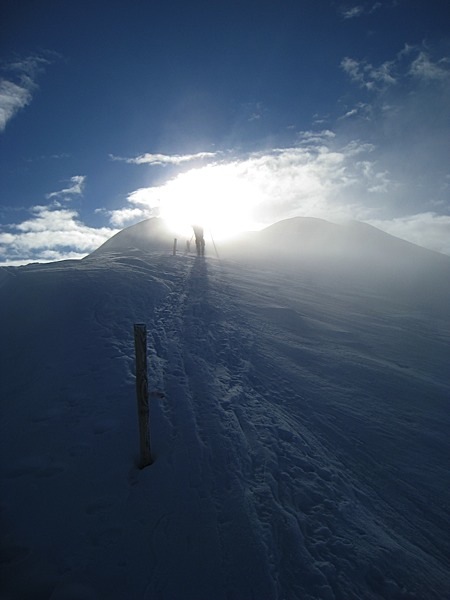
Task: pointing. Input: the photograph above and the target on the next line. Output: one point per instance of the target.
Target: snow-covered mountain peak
(151, 234)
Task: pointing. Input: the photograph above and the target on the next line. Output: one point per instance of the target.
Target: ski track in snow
(294, 457)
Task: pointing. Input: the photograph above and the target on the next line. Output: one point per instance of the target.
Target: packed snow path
(301, 448)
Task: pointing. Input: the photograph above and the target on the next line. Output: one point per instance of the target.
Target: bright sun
(216, 198)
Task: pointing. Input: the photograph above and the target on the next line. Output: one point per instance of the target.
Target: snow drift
(301, 450)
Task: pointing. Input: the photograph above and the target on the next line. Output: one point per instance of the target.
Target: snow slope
(301, 449)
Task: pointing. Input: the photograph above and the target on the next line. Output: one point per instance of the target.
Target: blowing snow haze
(301, 445)
(357, 252)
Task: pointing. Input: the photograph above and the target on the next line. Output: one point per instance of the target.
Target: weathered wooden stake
(174, 246)
(140, 345)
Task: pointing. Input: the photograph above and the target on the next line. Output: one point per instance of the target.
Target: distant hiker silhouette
(199, 240)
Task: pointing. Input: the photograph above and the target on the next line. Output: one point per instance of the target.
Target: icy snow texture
(301, 449)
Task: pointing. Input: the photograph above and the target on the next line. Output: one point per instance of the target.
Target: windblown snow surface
(301, 450)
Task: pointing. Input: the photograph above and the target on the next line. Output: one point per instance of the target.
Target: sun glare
(216, 198)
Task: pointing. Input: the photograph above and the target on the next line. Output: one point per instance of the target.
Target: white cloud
(76, 188)
(119, 218)
(16, 91)
(320, 177)
(316, 178)
(145, 203)
(52, 233)
(164, 159)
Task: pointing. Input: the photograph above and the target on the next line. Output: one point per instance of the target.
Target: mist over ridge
(312, 237)
(346, 254)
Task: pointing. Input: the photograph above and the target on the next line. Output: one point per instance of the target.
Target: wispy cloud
(313, 138)
(13, 97)
(376, 181)
(164, 159)
(45, 157)
(424, 68)
(253, 111)
(17, 85)
(367, 76)
(411, 64)
(405, 95)
(358, 10)
(352, 12)
(360, 109)
(405, 113)
(76, 189)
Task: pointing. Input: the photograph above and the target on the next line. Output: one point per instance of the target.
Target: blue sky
(244, 112)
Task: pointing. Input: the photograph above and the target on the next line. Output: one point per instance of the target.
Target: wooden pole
(140, 345)
(174, 246)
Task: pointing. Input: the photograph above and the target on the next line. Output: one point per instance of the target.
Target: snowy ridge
(301, 449)
(151, 234)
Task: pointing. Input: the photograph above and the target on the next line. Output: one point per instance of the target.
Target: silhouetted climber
(199, 240)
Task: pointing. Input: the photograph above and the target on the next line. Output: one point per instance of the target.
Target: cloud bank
(51, 233)
(317, 177)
